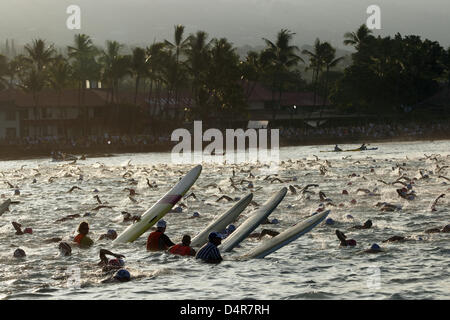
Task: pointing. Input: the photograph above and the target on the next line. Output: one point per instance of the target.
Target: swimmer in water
(121, 275)
(368, 192)
(195, 215)
(445, 229)
(110, 264)
(375, 248)
(69, 217)
(183, 248)
(263, 233)
(224, 197)
(209, 253)
(19, 253)
(110, 235)
(388, 207)
(366, 225)
(19, 231)
(395, 238)
(228, 230)
(403, 192)
(273, 221)
(343, 238)
(82, 239)
(64, 249)
(157, 240)
(433, 206)
(127, 217)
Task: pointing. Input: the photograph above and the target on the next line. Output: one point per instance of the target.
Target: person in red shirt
(157, 240)
(183, 248)
(82, 239)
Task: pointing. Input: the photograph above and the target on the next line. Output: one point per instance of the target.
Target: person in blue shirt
(209, 252)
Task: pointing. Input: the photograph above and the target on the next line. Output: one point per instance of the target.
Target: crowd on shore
(369, 131)
(29, 146)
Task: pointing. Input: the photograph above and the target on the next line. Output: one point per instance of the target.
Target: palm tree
(180, 46)
(330, 61)
(4, 67)
(154, 59)
(139, 68)
(358, 38)
(40, 54)
(60, 77)
(84, 66)
(280, 57)
(316, 63)
(33, 81)
(223, 76)
(197, 62)
(110, 62)
(251, 70)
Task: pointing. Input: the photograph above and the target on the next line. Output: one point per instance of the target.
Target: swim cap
(353, 201)
(122, 275)
(250, 185)
(111, 232)
(17, 192)
(409, 186)
(19, 253)
(349, 216)
(178, 209)
(214, 235)
(28, 230)
(196, 214)
(161, 224)
(237, 198)
(289, 206)
(274, 221)
(96, 190)
(231, 228)
(344, 192)
(329, 221)
(65, 248)
(375, 247)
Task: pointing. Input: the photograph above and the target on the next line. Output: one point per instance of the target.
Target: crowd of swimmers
(158, 240)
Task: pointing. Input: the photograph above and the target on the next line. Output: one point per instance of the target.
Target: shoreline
(11, 153)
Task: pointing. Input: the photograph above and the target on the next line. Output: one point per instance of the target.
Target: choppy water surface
(313, 266)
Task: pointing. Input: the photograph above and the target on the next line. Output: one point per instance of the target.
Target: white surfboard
(286, 236)
(4, 206)
(160, 208)
(252, 222)
(222, 221)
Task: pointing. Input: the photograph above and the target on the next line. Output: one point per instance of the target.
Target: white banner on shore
(315, 123)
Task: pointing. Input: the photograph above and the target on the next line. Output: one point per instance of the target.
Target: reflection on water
(312, 267)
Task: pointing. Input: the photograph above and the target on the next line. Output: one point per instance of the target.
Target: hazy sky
(241, 21)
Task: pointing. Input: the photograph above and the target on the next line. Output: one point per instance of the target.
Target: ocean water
(312, 267)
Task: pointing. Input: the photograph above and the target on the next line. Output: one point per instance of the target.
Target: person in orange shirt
(183, 248)
(82, 239)
(157, 240)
